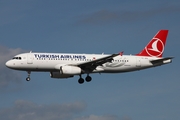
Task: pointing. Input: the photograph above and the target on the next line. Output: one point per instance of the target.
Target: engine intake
(70, 70)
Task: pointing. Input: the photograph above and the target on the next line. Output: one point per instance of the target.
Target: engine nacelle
(70, 70)
(59, 75)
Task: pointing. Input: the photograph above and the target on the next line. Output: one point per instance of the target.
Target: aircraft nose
(8, 64)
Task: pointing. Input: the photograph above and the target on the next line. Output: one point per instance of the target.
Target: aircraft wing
(91, 65)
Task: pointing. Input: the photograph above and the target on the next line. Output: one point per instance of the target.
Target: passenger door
(30, 58)
(138, 62)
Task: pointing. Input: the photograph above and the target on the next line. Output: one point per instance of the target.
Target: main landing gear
(81, 80)
(28, 78)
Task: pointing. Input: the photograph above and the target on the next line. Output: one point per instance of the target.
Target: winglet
(121, 53)
(155, 47)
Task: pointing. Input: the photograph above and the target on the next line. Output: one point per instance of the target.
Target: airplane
(66, 65)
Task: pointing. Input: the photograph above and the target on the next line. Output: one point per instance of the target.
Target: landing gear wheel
(88, 78)
(81, 80)
(28, 79)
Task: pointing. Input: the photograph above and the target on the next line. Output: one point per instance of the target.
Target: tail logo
(155, 47)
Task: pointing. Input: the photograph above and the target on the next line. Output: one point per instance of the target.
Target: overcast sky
(89, 26)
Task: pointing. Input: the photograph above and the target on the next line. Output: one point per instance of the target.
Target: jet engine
(59, 75)
(70, 70)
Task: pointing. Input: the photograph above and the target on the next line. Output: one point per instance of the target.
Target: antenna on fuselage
(30, 51)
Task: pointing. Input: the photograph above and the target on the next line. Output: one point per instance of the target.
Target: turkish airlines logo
(155, 47)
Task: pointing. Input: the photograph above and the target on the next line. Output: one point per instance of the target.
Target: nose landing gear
(28, 78)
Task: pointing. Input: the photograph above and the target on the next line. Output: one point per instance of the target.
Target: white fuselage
(49, 62)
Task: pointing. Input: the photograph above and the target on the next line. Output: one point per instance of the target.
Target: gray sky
(90, 26)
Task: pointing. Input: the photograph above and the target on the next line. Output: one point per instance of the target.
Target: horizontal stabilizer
(162, 61)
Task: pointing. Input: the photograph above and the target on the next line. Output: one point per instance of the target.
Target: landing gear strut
(28, 78)
(81, 80)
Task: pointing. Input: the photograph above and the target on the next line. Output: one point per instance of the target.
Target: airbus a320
(66, 65)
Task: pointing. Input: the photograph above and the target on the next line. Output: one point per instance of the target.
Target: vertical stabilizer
(155, 47)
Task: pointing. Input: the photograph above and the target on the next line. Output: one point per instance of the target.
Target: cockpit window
(17, 58)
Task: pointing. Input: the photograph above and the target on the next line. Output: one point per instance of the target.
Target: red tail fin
(156, 46)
